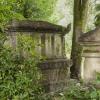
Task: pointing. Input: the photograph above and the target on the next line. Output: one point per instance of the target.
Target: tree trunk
(80, 14)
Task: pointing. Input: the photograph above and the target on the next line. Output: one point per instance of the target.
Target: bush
(80, 91)
(19, 75)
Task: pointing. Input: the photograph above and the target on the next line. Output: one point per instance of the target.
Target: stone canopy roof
(36, 26)
(91, 36)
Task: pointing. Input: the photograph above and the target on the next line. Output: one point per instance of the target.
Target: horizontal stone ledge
(96, 43)
(92, 51)
(91, 55)
(54, 64)
(55, 60)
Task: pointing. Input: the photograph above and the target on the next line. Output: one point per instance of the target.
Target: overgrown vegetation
(80, 91)
(19, 76)
(97, 18)
(26, 9)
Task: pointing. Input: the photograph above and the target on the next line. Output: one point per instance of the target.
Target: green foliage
(97, 17)
(97, 7)
(7, 11)
(19, 75)
(80, 91)
(21, 9)
(98, 78)
(46, 8)
(36, 9)
(77, 92)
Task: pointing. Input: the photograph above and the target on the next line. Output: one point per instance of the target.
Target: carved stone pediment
(90, 37)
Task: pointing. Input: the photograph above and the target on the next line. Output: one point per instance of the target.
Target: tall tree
(22, 9)
(80, 16)
(35, 9)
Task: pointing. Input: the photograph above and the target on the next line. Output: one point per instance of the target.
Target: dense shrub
(81, 91)
(19, 75)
